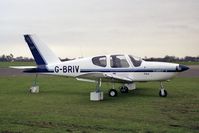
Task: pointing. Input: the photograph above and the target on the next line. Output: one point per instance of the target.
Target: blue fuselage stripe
(127, 70)
(45, 70)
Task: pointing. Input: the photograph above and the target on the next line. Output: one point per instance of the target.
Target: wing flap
(122, 78)
(106, 77)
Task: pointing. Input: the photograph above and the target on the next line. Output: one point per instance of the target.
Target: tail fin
(41, 53)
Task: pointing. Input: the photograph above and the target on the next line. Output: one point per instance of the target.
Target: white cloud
(140, 27)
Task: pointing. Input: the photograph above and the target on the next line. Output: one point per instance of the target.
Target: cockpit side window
(118, 61)
(136, 61)
(99, 61)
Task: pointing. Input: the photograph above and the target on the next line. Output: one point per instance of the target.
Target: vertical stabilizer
(41, 53)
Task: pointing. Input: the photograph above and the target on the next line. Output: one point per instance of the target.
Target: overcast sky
(74, 28)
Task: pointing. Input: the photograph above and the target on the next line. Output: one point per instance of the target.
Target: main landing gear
(162, 92)
(124, 89)
(113, 92)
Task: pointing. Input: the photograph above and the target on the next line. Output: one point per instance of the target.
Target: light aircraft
(116, 68)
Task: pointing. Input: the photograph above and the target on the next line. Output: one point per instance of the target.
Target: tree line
(167, 58)
(11, 58)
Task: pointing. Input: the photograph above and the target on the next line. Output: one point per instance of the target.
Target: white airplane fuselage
(147, 71)
(121, 68)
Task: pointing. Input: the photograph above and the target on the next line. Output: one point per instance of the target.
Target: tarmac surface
(192, 72)
(13, 72)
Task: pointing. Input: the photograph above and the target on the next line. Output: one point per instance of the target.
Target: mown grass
(63, 106)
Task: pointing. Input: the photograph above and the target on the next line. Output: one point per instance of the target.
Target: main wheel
(112, 93)
(163, 93)
(124, 89)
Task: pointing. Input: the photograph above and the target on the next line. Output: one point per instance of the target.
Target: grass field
(63, 106)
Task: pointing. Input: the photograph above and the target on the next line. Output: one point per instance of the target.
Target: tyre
(124, 89)
(163, 93)
(112, 93)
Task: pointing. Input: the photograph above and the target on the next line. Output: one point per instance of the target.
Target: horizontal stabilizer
(22, 67)
(33, 69)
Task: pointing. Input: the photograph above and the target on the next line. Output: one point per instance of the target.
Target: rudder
(41, 53)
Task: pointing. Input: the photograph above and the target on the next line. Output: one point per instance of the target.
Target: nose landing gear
(162, 92)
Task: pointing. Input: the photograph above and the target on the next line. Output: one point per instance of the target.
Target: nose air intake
(182, 68)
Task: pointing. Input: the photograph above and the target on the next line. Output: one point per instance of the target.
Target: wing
(105, 77)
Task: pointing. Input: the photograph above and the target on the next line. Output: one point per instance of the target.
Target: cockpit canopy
(136, 61)
(100, 61)
(117, 61)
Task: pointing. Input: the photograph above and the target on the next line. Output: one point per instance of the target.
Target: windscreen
(118, 61)
(136, 61)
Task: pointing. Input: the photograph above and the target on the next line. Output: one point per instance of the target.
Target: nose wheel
(162, 92)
